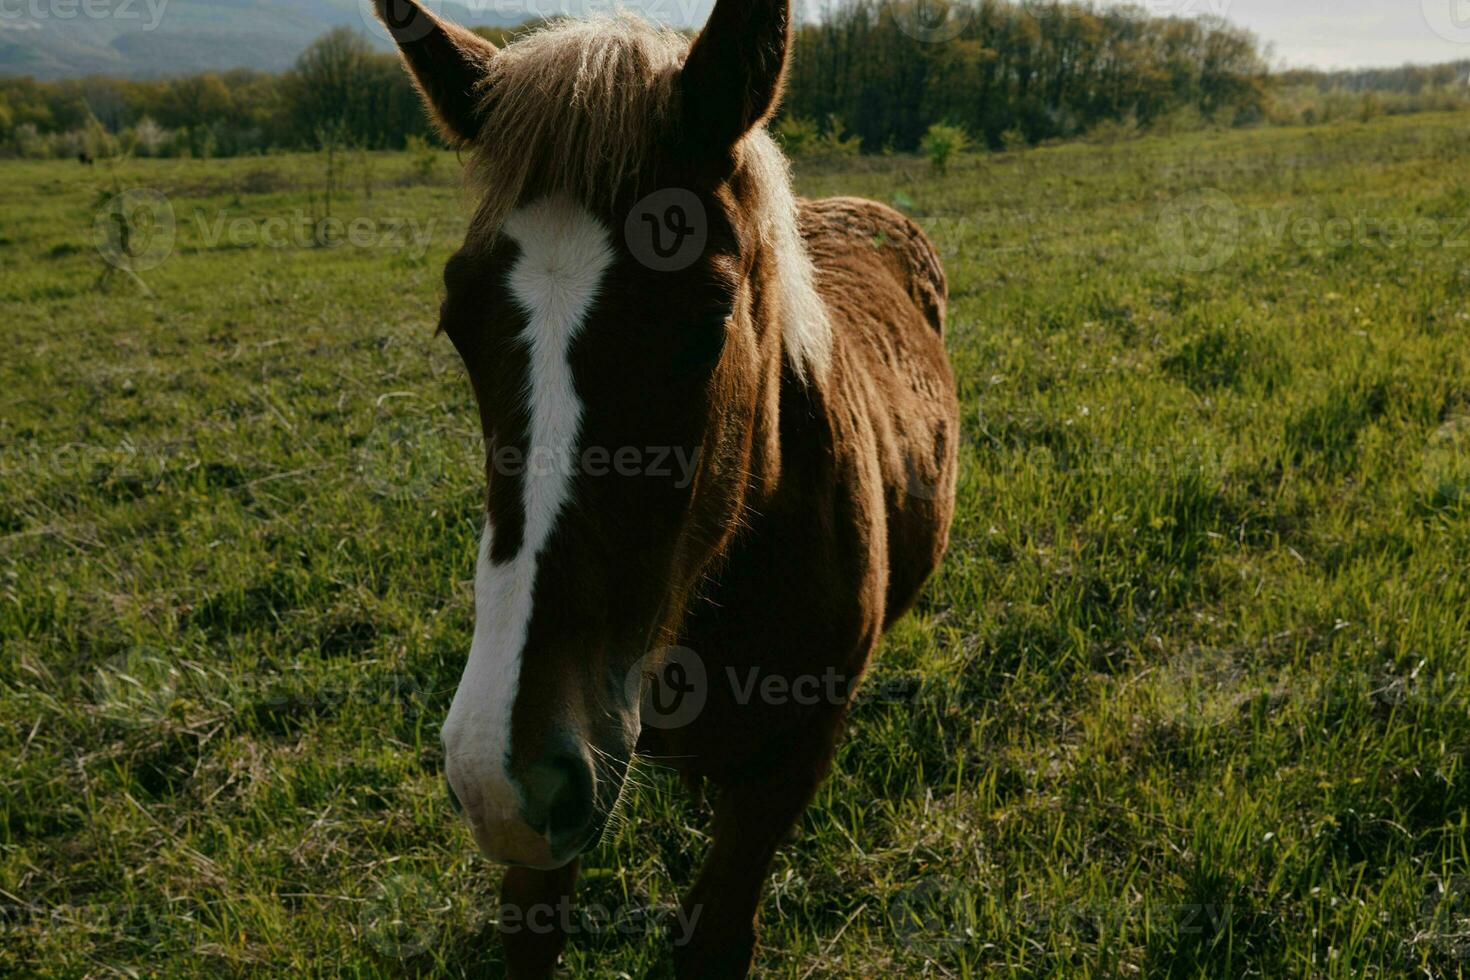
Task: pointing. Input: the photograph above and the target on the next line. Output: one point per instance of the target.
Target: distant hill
(151, 38)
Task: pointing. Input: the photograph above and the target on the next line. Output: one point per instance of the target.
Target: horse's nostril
(453, 798)
(569, 803)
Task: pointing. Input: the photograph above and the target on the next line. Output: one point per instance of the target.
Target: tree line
(1321, 96)
(869, 74)
(1014, 72)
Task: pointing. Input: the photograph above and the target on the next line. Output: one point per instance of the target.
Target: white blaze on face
(564, 254)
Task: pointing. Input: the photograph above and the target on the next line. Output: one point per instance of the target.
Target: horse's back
(854, 235)
(886, 292)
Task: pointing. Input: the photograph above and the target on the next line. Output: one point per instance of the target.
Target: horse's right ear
(447, 63)
(733, 77)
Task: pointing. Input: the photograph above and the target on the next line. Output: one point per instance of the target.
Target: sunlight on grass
(1187, 698)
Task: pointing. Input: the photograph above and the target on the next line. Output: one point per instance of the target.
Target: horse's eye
(701, 343)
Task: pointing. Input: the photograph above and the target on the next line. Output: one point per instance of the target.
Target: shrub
(182, 144)
(836, 142)
(1014, 139)
(425, 158)
(28, 141)
(1182, 119)
(1370, 108)
(941, 143)
(798, 135)
(94, 140)
(153, 139)
(1115, 130)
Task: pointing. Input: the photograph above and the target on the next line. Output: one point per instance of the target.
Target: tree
(329, 86)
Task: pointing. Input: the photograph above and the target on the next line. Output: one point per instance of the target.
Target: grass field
(1190, 697)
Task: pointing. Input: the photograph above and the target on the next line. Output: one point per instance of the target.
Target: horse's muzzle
(548, 818)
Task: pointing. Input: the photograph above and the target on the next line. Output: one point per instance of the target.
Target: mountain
(151, 38)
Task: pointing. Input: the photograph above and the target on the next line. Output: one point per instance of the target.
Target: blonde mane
(576, 107)
(580, 108)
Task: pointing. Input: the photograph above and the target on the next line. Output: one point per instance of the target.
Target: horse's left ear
(732, 80)
(447, 63)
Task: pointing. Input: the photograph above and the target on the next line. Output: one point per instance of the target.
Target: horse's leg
(752, 819)
(533, 907)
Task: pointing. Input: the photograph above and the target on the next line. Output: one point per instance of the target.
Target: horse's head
(629, 283)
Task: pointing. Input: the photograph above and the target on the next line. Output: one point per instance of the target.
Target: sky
(1343, 33)
(1302, 33)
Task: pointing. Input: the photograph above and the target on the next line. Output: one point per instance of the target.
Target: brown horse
(720, 435)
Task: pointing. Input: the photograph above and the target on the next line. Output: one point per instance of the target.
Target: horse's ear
(447, 63)
(732, 79)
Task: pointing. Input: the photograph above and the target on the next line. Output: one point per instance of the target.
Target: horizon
(1325, 35)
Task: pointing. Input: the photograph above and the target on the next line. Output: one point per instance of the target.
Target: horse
(639, 283)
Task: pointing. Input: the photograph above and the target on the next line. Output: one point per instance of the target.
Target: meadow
(1190, 697)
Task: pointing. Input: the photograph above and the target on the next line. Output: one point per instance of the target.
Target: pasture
(1191, 695)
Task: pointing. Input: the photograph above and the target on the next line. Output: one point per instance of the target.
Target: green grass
(1188, 698)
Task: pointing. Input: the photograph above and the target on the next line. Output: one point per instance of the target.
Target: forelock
(577, 108)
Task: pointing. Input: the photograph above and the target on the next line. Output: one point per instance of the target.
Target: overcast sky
(1345, 33)
(1316, 33)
